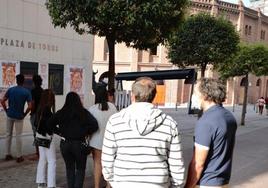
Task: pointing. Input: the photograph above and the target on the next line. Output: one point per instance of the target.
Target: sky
(246, 2)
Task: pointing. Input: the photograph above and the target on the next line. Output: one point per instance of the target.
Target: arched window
(258, 83)
(106, 50)
(243, 82)
(153, 51)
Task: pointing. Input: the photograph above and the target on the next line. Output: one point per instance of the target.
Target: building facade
(251, 25)
(29, 44)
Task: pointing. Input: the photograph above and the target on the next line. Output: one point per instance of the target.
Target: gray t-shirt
(215, 131)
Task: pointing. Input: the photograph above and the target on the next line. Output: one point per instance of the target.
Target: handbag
(86, 145)
(41, 141)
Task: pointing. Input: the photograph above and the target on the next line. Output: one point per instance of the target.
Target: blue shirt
(216, 130)
(17, 97)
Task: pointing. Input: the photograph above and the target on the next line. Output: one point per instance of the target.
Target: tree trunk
(245, 101)
(111, 74)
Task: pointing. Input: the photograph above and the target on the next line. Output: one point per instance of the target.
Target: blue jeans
(75, 161)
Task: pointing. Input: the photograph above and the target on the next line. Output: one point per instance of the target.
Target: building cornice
(223, 6)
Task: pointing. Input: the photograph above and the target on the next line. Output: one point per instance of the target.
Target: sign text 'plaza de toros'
(28, 44)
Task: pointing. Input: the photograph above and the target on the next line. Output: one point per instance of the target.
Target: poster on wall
(3, 91)
(43, 72)
(76, 78)
(55, 74)
(9, 70)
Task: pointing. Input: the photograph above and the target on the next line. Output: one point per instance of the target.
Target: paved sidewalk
(250, 169)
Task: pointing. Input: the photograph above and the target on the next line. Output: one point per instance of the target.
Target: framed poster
(55, 78)
(75, 77)
(28, 69)
(9, 70)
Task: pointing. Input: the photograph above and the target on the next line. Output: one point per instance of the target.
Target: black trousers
(75, 159)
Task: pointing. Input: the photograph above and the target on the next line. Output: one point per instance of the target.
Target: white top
(102, 118)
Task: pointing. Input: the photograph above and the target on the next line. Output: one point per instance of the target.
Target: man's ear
(133, 100)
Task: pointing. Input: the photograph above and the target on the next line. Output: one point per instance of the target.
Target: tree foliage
(140, 24)
(203, 40)
(250, 59)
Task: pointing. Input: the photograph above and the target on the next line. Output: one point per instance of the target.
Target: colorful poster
(76, 80)
(43, 72)
(9, 70)
(3, 91)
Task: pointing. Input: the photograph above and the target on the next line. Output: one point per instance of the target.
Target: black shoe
(9, 158)
(20, 159)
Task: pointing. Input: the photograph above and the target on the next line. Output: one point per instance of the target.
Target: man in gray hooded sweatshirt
(142, 145)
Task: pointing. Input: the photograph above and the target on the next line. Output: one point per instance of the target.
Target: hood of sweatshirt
(142, 117)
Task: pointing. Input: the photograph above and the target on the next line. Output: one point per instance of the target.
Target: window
(243, 82)
(55, 78)
(262, 35)
(153, 51)
(246, 30)
(258, 83)
(106, 50)
(249, 30)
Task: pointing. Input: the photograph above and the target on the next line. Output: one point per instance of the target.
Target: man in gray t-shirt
(214, 138)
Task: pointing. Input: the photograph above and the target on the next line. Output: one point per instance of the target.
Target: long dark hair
(102, 98)
(47, 100)
(73, 107)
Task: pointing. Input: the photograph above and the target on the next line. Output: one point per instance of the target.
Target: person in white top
(102, 111)
(261, 103)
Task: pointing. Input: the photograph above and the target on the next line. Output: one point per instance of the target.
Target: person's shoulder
(12, 88)
(112, 106)
(117, 117)
(26, 91)
(93, 108)
(168, 119)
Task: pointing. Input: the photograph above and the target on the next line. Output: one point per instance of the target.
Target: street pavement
(250, 166)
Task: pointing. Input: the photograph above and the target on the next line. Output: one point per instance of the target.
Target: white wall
(28, 21)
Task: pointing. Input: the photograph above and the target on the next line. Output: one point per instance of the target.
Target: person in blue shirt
(16, 96)
(214, 138)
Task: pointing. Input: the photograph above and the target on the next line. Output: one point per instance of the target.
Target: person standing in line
(102, 110)
(17, 96)
(142, 145)
(261, 103)
(73, 123)
(36, 95)
(214, 138)
(47, 157)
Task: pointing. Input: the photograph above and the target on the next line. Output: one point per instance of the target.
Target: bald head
(144, 89)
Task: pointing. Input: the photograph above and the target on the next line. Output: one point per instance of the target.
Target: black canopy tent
(188, 74)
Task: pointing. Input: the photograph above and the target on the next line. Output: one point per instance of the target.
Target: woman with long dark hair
(47, 155)
(102, 110)
(74, 123)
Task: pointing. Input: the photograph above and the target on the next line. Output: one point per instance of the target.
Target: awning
(188, 74)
